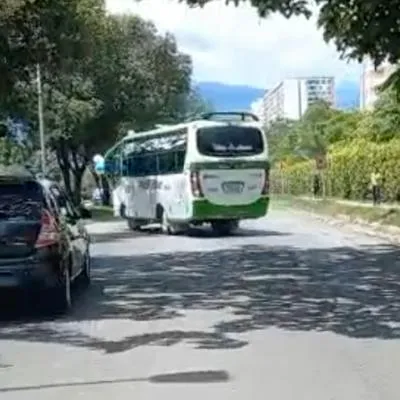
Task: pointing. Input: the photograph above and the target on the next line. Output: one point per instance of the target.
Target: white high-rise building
(290, 98)
(256, 107)
(371, 79)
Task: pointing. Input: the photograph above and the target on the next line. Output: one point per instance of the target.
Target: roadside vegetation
(102, 213)
(353, 144)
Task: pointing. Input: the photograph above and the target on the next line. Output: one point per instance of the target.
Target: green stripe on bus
(204, 210)
(197, 166)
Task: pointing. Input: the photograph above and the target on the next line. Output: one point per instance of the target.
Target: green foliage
(11, 153)
(355, 144)
(349, 172)
(101, 73)
(319, 127)
(49, 32)
(266, 7)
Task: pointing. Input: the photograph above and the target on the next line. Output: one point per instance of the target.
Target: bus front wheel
(224, 228)
(133, 224)
(122, 209)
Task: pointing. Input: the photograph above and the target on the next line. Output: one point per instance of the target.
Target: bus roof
(201, 122)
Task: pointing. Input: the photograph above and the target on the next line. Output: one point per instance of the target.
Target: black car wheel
(61, 299)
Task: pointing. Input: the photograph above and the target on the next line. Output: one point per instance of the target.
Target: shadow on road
(203, 232)
(351, 292)
(177, 377)
(105, 237)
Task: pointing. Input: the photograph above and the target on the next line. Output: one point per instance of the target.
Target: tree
(49, 32)
(382, 124)
(193, 104)
(266, 7)
(312, 130)
(100, 73)
(320, 127)
(11, 153)
(362, 28)
(280, 137)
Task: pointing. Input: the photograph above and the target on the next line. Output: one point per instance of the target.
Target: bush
(348, 173)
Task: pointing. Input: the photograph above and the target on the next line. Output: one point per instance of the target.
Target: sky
(234, 46)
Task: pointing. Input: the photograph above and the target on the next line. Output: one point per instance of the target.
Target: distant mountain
(226, 97)
(229, 97)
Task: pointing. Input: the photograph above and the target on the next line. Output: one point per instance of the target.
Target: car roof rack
(244, 115)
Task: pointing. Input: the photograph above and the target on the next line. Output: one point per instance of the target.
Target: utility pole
(41, 122)
(363, 88)
(299, 99)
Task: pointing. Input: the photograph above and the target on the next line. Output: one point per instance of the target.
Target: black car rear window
(229, 141)
(20, 200)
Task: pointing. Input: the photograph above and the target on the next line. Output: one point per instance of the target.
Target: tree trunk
(77, 186)
(106, 191)
(63, 162)
(72, 166)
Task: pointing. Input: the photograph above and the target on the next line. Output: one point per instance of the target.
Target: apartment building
(290, 98)
(371, 79)
(256, 107)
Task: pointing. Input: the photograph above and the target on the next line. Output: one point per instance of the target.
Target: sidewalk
(353, 202)
(102, 227)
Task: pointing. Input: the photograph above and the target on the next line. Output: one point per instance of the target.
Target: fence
(321, 184)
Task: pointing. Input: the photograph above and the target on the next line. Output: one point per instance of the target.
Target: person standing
(376, 187)
(316, 185)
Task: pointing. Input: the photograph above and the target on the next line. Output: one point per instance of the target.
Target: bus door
(152, 196)
(146, 195)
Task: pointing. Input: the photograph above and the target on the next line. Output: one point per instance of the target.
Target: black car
(44, 245)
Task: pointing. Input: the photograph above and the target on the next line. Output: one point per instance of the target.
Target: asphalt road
(289, 309)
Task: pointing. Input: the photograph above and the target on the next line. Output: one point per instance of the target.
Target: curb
(94, 228)
(387, 232)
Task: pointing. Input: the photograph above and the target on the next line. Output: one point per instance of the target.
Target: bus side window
(151, 164)
(128, 166)
(179, 160)
(137, 165)
(144, 164)
(125, 170)
(165, 162)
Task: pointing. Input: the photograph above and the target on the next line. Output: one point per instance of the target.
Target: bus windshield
(229, 141)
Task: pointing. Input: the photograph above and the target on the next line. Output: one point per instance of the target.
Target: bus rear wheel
(166, 227)
(170, 228)
(225, 227)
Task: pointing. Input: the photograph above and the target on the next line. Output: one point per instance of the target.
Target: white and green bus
(213, 170)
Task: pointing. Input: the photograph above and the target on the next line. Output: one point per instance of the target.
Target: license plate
(232, 187)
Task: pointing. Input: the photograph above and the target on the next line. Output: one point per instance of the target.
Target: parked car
(44, 245)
